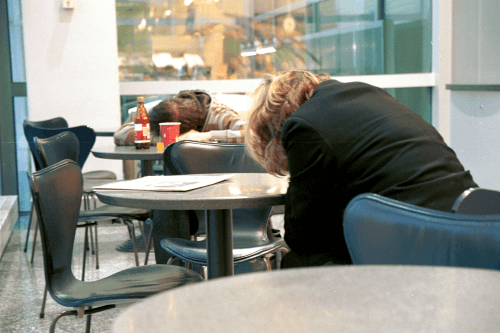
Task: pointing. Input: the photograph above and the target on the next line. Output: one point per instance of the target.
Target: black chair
(86, 138)
(57, 124)
(384, 231)
(65, 145)
(57, 192)
(478, 201)
(252, 236)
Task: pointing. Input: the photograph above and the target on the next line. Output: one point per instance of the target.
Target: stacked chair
(66, 145)
(252, 236)
(384, 231)
(55, 123)
(57, 191)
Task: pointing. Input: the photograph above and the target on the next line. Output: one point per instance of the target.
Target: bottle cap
(140, 99)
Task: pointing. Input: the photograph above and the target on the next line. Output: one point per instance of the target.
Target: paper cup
(169, 132)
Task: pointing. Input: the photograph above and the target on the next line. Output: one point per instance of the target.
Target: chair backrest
(478, 201)
(57, 122)
(190, 157)
(380, 230)
(57, 195)
(194, 157)
(62, 146)
(86, 136)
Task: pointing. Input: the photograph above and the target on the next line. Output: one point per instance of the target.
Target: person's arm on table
(225, 136)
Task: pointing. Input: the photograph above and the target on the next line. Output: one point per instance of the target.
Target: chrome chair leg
(92, 241)
(143, 234)
(34, 243)
(30, 222)
(267, 261)
(89, 318)
(59, 316)
(131, 231)
(42, 311)
(148, 243)
(96, 249)
(85, 244)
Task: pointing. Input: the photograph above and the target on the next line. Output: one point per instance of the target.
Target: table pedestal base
(220, 243)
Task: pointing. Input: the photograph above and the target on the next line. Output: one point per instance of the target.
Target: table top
(105, 131)
(243, 190)
(327, 299)
(127, 153)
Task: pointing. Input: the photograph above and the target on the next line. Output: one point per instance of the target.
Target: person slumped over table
(337, 140)
(202, 118)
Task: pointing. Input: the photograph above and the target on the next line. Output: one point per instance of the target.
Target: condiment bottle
(142, 138)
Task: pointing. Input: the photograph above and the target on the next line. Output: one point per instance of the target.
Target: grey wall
(475, 115)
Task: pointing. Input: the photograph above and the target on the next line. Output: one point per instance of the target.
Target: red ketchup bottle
(142, 138)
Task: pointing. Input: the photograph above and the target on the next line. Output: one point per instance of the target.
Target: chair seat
(125, 286)
(243, 250)
(99, 174)
(107, 212)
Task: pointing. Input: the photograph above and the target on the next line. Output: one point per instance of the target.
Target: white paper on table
(165, 183)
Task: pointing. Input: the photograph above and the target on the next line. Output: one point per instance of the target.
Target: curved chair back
(57, 195)
(194, 157)
(380, 230)
(478, 201)
(191, 157)
(86, 136)
(57, 122)
(64, 145)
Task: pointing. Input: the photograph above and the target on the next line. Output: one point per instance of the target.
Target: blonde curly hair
(274, 100)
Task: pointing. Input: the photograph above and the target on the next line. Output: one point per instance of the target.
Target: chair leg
(89, 317)
(59, 316)
(143, 234)
(34, 242)
(267, 261)
(131, 231)
(148, 244)
(92, 240)
(279, 257)
(96, 249)
(85, 243)
(32, 215)
(171, 260)
(42, 311)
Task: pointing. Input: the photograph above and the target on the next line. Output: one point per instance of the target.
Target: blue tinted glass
(16, 40)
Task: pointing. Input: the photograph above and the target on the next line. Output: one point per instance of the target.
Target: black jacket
(353, 138)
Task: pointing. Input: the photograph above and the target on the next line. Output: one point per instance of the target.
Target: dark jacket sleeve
(313, 218)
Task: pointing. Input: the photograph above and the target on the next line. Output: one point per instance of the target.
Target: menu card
(166, 183)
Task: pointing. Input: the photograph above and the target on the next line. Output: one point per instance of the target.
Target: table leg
(147, 168)
(219, 227)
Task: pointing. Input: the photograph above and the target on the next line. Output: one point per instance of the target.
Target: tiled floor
(22, 284)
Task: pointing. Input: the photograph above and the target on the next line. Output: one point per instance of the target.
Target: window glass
(227, 39)
(16, 41)
(416, 99)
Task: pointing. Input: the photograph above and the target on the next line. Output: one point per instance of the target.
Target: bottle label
(142, 132)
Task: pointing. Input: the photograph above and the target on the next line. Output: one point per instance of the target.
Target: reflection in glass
(227, 39)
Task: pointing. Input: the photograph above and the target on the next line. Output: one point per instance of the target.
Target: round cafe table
(375, 299)
(147, 156)
(242, 190)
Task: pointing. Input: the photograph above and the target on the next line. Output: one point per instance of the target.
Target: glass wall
(227, 39)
